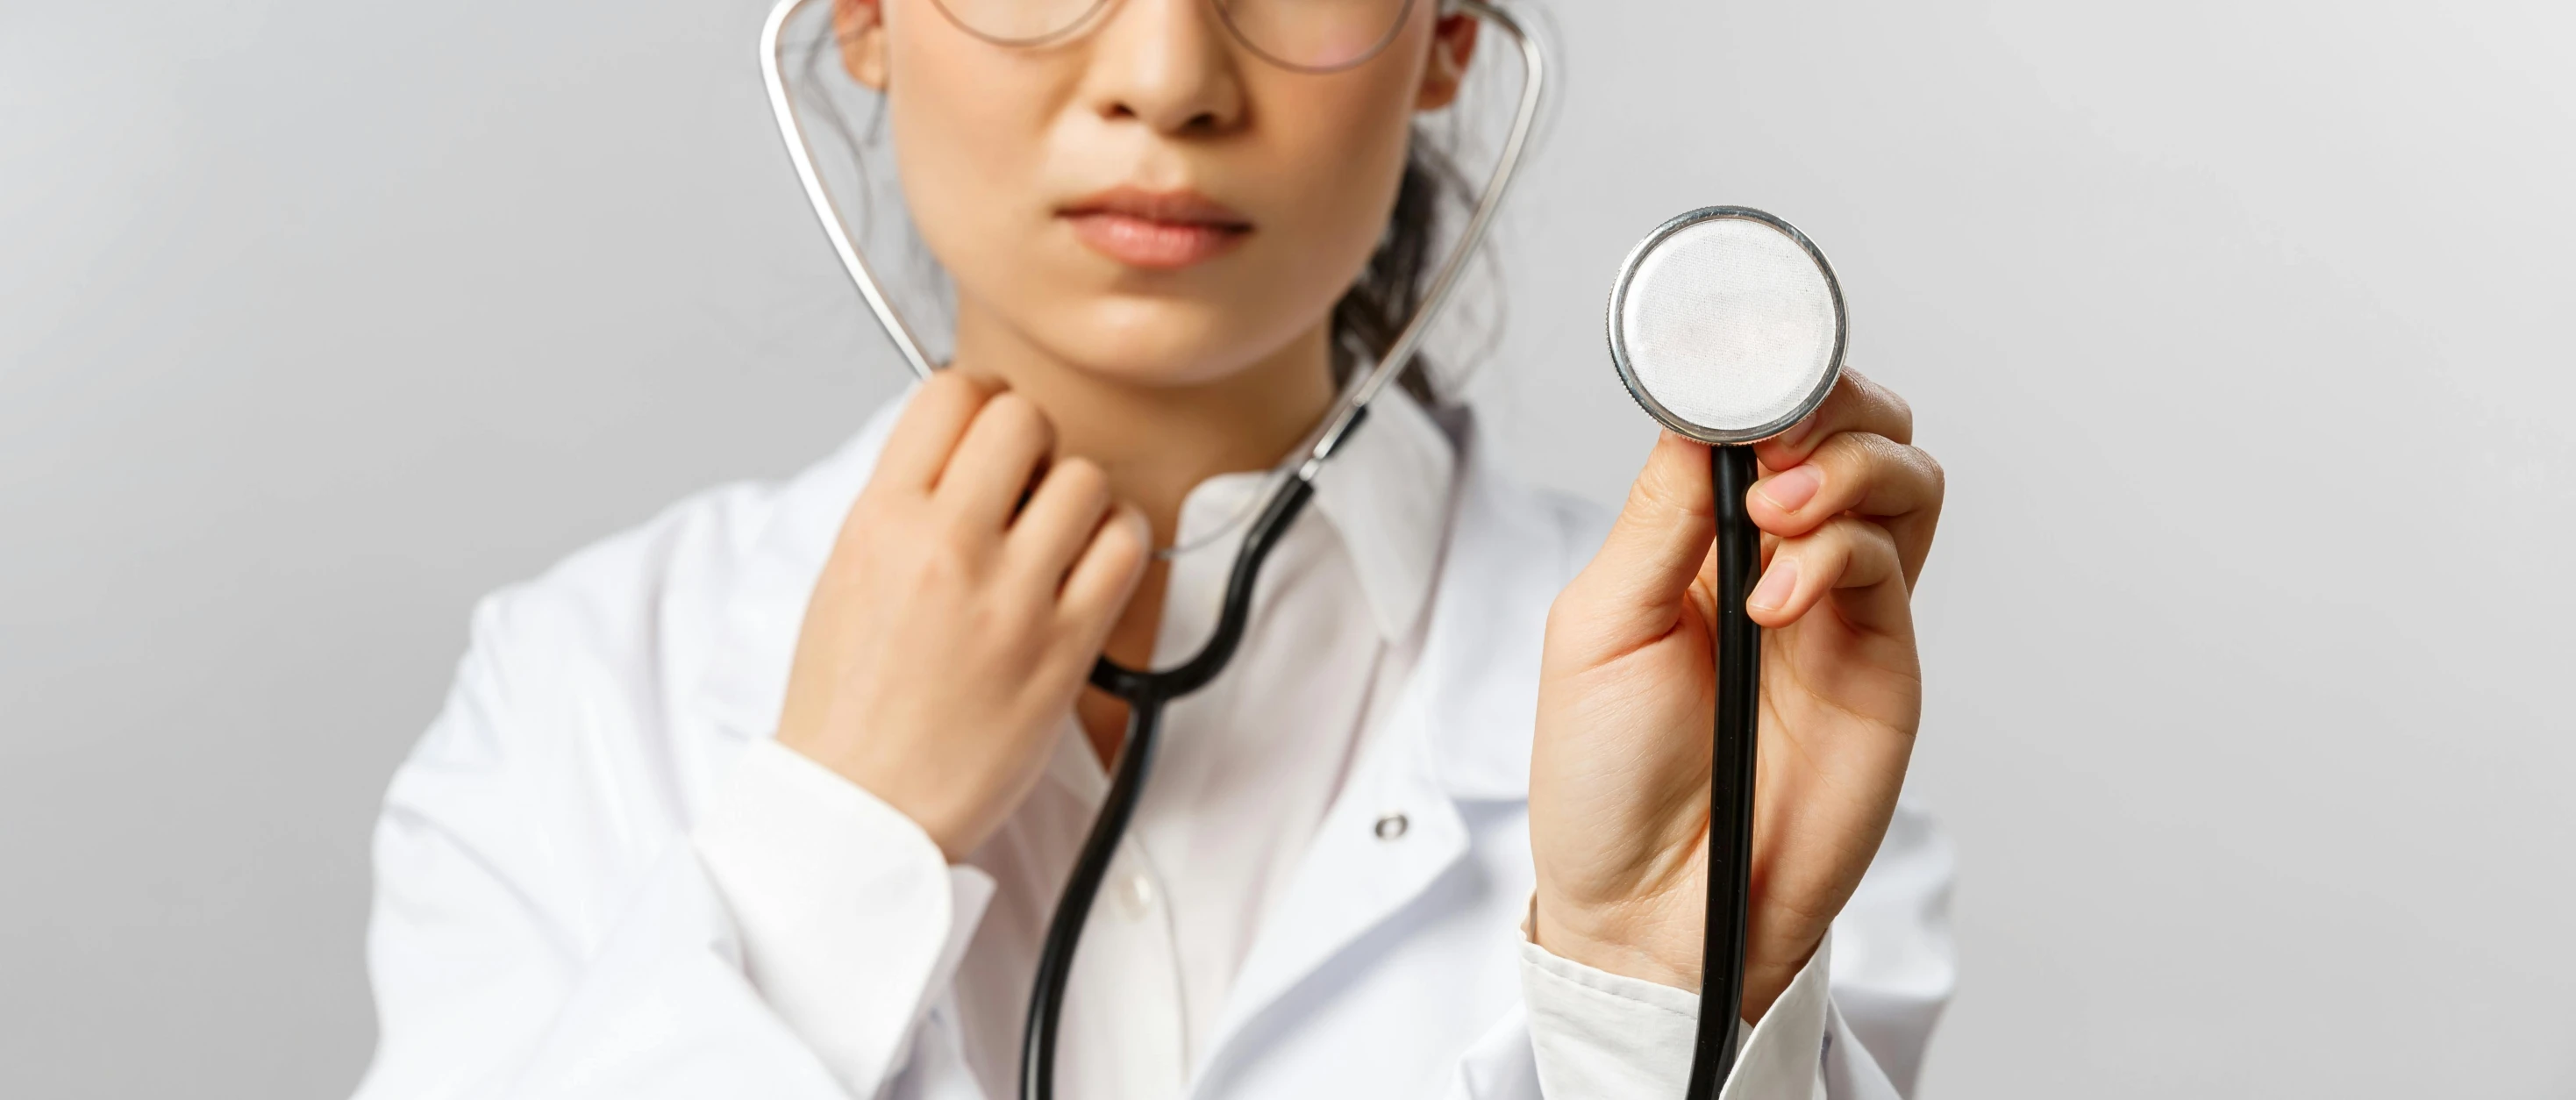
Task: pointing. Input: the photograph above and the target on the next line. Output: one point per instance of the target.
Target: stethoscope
(1146, 691)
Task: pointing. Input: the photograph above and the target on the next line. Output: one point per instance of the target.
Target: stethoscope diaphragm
(1727, 325)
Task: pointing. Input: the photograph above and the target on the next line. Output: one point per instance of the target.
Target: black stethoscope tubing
(1734, 740)
(1730, 835)
(1145, 693)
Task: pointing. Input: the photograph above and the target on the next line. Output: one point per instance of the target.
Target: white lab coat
(543, 927)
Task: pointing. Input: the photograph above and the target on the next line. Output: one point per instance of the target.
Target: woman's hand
(1619, 778)
(955, 620)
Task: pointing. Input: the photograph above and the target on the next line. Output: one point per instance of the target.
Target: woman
(772, 796)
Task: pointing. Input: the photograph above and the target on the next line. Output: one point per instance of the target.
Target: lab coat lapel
(1459, 733)
(1353, 879)
(1513, 549)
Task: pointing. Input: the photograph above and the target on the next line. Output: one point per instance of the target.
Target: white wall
(2240, 327)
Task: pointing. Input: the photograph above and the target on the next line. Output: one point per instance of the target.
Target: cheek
(967, 140)
(1335, 163)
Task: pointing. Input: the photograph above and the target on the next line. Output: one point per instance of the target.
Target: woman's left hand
(1619, 774)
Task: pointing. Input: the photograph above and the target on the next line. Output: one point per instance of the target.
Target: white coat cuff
(1598, 1035)
(852, 921)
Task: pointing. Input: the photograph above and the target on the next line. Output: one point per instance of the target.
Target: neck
(1158, 440)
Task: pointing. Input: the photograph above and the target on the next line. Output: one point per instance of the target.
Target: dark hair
(1373, 312)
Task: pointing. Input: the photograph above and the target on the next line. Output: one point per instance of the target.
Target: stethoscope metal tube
(782, 111)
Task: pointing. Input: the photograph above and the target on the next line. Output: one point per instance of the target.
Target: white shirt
(598, 876)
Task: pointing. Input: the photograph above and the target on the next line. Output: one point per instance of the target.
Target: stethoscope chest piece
(1726, 324)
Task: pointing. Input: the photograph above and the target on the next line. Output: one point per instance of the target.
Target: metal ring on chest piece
(1727, 325)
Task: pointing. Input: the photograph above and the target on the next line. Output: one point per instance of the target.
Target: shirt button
(1391, 827)
(1135, 896)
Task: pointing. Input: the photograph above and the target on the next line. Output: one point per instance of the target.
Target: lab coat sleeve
(787, 946)
(1597, 1035)
(850, 917)
(1852, 1024)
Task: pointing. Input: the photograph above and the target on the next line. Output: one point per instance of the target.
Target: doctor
(772, 796)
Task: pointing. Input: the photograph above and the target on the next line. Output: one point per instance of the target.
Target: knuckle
(1008, 628)
(1122, 548)
(1567, 607)
(1888, 451)
(1082, 478)
(1858, 464)
(1900, 413)
(1659, 493)
(1029, 628)
(1556, 638)
(947, 387)
(953, 550)
(1846, 460)
(1911, 479)
(1861, 538)
(1016, 415)
(1848, 388)
(1832, 538)
(1122, 541)
(1875, 408)
(1823, 536)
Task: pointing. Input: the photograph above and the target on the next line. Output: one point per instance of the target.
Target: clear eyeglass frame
(1306, 36)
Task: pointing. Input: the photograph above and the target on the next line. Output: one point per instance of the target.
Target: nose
(1168, 65)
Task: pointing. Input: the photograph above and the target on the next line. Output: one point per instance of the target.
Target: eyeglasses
(1310, 36)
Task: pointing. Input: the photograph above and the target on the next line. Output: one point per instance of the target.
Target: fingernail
(1777, 585)
(1791, 489)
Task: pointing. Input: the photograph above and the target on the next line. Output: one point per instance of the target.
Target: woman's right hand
(955, 623)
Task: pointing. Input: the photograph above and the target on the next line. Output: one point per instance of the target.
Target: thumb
(1657, 547)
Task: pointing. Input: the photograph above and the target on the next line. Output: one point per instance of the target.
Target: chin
(1169, 341)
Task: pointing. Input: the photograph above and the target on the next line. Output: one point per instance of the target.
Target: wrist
(931, 807)
(1651, 943)
(952, 823)
(1618, 940)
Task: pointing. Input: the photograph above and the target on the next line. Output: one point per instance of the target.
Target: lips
(1156, 230)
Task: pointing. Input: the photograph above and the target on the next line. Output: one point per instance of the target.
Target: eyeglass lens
(1307, 35)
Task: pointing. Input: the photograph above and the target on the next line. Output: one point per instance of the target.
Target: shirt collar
(1478, 671)
(1387, 494)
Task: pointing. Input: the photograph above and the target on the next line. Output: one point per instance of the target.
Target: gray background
(2240, 327)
